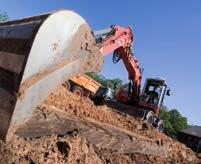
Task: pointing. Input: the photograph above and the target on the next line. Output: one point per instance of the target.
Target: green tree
(111, 83)
(3, 16)
(173, 121)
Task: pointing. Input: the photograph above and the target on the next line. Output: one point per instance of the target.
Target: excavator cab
(153, 94)
(151, 99)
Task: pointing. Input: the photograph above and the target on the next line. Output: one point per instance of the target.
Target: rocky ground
(69, 129)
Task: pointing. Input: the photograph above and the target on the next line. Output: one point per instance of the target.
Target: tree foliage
(3, 16)
(173, 121)
(111, 83)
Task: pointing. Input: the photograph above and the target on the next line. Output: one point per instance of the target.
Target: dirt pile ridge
(77, 148)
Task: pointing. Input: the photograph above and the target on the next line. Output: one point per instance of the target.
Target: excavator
(119, 40)
(39, 53)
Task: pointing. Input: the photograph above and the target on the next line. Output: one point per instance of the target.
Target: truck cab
(103, 94)
(153, 94)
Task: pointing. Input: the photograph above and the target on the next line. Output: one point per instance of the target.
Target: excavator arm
(119, 40)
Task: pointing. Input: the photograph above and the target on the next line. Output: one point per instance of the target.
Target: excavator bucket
(36, 55)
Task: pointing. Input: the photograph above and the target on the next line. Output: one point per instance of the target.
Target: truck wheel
(149, 117)
(67, 85)
(77, 91)
(160, 126)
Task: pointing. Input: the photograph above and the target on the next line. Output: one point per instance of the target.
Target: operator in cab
(153, 96)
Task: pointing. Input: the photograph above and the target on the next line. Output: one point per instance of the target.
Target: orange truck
(82, 85)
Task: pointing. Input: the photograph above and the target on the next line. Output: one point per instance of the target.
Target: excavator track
(136, 112)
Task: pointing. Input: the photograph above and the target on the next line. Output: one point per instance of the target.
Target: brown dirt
(77, 148)
(66, 149)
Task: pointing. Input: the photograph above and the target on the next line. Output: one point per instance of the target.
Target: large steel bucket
(36, 55)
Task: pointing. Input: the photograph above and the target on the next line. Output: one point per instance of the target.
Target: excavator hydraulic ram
(36, 55)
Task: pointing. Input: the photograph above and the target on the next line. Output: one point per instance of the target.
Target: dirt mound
(86, 145)
(51, 149)
(84, 108)
(65, 149)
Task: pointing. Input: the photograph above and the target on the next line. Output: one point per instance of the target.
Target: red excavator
(119, 40)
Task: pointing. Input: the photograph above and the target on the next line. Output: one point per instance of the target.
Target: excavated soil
(90, 142)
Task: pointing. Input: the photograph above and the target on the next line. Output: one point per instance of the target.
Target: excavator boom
(36, 55)
(119, 40)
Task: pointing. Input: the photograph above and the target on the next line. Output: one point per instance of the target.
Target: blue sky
(167, 40)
